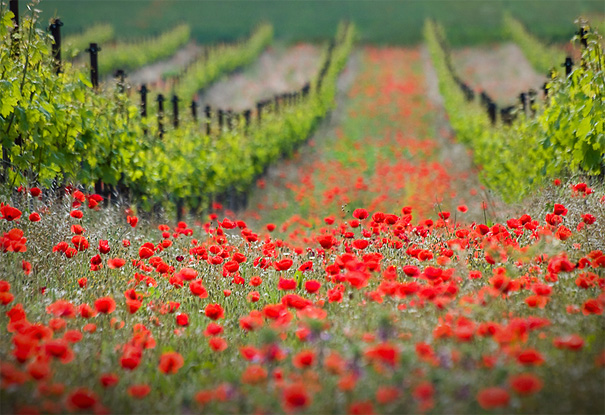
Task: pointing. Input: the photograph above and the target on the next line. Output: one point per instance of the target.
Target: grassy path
(385, 148)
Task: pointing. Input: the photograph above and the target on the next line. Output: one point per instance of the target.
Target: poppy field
(371, 272)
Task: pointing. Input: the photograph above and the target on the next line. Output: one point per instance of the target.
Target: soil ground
(500, 70)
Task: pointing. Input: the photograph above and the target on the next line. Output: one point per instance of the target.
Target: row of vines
(57, 129)
(566, 135)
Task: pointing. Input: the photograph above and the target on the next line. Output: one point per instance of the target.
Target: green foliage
(69, 132)
(541, 56)
(101, 33)
(565, 135)
(572, 120)
(385, 22)
(223, 59)
(136, 54)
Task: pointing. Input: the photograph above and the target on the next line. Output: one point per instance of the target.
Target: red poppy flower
(109, 379)
(254, 374)
(82, 398)
(295, 397)
(525, 383)
(312, 286)
(284, 264)
(62, 308)
(384, 352)
(80, 242)
(104, 247)
(424, 391)
(218, 344)
(530, 357)
(494, 397)
(592, 306)
(139, 391)
(326, 241)
(286, 284)
(360, 214)
(214, 311)
(197, 288)
(34, 217)
(9, 213)
(304, 359)
(182, 319)
(171, 362)
(213, 329)
(132, 220)
(105, 305)
(116, 263)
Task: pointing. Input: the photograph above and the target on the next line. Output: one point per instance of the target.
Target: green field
(388, 21)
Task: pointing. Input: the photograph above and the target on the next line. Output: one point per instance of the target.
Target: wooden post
(568, 65)
(208, 119)
(143, 91)
(305, 90)
(532, 93)
(194, 110)
(259, 111)
(175, 111)
(582, 33)
(55, 31)
(160, 99)
(94, 49)
(247, 115)
(491, 112)
(523, 100)
(14, 7)
(221, 120)
(229, 115)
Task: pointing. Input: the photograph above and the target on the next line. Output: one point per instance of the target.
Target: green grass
(384, 21)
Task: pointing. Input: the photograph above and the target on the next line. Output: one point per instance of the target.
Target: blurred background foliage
(379, 21)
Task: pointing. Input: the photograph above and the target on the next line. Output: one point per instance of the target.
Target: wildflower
(214, 311)
(109, 379)
(139, 391)
(213, 329)
(286, 284)
(525, 383)
(182, 319)
(9, 213)
(132, 220)
(80, 242)
(105, 305)
(116, 263)
(295, 397)
(218, 344)
(284, 264)
(360, 214)
(170, 362)
(304, 359)
(82, 398)
(530, 357)
(312, 286)
(493, 397)
(197, 288)
(254, 374)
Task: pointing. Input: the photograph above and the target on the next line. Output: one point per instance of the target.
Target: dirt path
(153, 73)
(279, 69)
(501, 70)
(386, 146)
